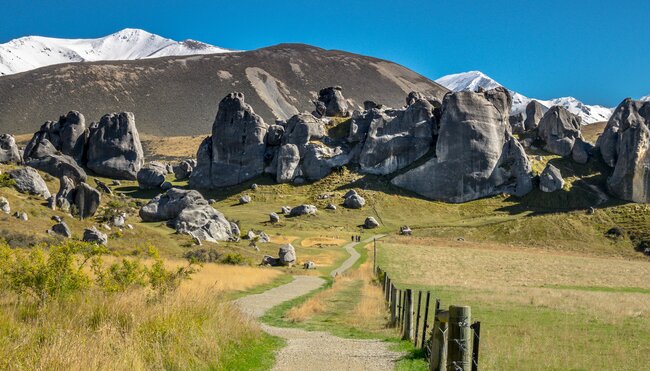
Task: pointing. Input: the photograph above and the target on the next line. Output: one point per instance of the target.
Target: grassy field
(539, 309)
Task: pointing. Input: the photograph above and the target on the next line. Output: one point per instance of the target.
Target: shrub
(6, 181)
(615, 232)
(202, 256)
(235, 259)
(120, 276)
(162, 280)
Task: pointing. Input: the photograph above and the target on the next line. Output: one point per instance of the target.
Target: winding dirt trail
(315, 350)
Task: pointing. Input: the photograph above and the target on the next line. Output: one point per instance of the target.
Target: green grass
(279, 281)
(257, 354)
(638, 290)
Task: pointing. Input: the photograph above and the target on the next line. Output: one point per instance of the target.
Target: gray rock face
(551, 179)
(93, 235)
(66, 195)
(166, 186)
(370, 223)
(43, 156)
(559, 130)
(354, 201)
(274, 135)
(68, 135)
(103, 187)
(534, 113)
(30, 181)
(581, 151)
(331, 102)
(517, 123)
(286, 210)
(114, 148)
(245, 199)
(475, 154)
(303, 210)
(274, 217)
(200, 178)
(87, 200)
(302, 128)
(288, 161)
(624, 145)
(184, 169)
(4, 205)
(62, 229)
(396, 138)
(189, 213)
(9, 150)
(287, 254)
(152, 175)
(319, 160)
(237, 143)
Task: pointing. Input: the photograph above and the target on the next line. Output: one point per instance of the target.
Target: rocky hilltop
(173, 96)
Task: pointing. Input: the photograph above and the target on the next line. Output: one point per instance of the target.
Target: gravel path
(311, 350)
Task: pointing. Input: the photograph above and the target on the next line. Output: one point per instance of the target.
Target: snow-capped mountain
(474, 79)
(30, 52)
(645, 98)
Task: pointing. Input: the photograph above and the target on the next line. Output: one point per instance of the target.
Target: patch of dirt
(314, 241)
(283, 239)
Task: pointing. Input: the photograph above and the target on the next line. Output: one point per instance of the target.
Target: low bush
(202, 256)
(235, 259)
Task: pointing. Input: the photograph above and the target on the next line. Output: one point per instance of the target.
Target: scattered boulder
(309, 265)
(66, 195)
(303, 210)
(350, 193)
(405, 230)
(237, 146)
(559, 130)
(370, 223)
(286, 210)
(4, 205)
(119, 221)
(152, 175)
(245, 199)
(331, 102)
(236, 232)
(116, 183)
(354, 201)
(330, 206)
(21, 216)
(625, 146)
(93, 235)
(269, 260)
(57, 218)
(103, 187)
(30, 181)
(114, 148)
(581, 150)
(263, 237)
(9, 150)
(287, 255)
(253, 187)
(475, 154)
(274, 135)
(250, 235)
(551, 179)
(534, 113)
(166, 186)
(62, 229)
(51, 203)
(274, 217)
(87, 200)
(184, 169)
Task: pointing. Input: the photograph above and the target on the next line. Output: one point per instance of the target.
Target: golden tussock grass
(283, 239)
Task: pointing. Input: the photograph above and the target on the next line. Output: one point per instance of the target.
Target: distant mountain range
(30, 52)
(474, 79)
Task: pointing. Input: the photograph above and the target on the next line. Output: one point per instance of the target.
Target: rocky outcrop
(86, 200)
(396, 138)
(9, 151)
(189, 213)
(551, 179)
(354, 201)
(62, 229)
(475, 154)
(287, 255)
(114, 148)
(559, 130)
(331, 102)
(288, 159)
(43, 156)
(237, 146)
(184, 169)
(303, 210)
(517, 123)
(68, 136)
(370, 223)
(534, 113)
(152, 175)
(625, 145)
(581, 151)
(65, 196)
(30, 181)
(93, 235)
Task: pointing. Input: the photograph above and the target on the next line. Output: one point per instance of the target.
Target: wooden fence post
(399, 307)
(475, 346)
(438, 357)
(374, 254)
(389, 285)
(407, 333)
(459, 338)
(393, 305)
(402, 311)
(417, 320)
(426, 318)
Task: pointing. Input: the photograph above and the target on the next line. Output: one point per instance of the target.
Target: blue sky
(597, 51)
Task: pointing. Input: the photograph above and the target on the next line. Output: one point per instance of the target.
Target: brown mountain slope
(179, 95)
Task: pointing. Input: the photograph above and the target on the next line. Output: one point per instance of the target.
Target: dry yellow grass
(314, 241)
(178, 147)
(229, 278)
(283, 239)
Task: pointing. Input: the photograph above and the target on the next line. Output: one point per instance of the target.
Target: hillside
(174, 96)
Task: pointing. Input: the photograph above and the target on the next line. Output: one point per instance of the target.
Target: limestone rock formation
(625, 145)
(4, 205)
(68, 135)
(42, 155)
(9, 150)
(93, 235)
(184, 169)
(30, 181)
(559, 130)
(534, 113)
(331, 102)
(475, 154)
(66, 195)
(87, 200)
(114, 148)
(551, 179)
(370, 223)
(237, 146)
(303, 210)
(152, 175)
(581, 151)
(354, 201)
(274, 217)
(396, 138)
(287, 254)
(62, 229)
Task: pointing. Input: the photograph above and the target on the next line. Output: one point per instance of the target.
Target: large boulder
(184, 169)
(66, 195)
(559, 130)
(581, 151)
(152, 175)
(475, 154)
(9, 150)
(189, 213)
(45, 157)
(354, 201)
(93, 235)
(303, 128)
(331, 102)
(288, 161)
(303, 210)
(287, 255)
(534, 113)
(274, 135)
(370, 223)
(87, 200)
(4, 205)
(62, 229)
(319, 160)
(624, 145)
(114, 148)
(30, 181)
(200, 177)
(396, 138)
(551, 179)
(238, 146)
(68, 135)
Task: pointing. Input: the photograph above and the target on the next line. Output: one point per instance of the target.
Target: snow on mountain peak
(30, 52)
(645, 98)
(472, 80)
